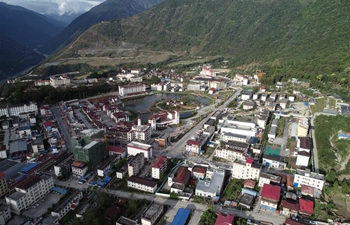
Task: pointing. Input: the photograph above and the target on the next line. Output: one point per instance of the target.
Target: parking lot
(44, 204)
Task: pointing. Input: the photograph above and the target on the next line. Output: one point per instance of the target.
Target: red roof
(78, 164)
(112, 212)
(199, 169)
(289, 221)
(115, 149)
(307, 190)
(224, 220)
(249, 160)
(271, 192)
(306, 206)
(249, 183)
(48, 123)
(160, 160)
(290, 205)
(182, 175)
(2, 174)
(192, 142)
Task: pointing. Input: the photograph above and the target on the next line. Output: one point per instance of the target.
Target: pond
(143, 103)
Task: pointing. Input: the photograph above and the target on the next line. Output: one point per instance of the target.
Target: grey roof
(16, 195)
(18, 146)
(216, 181)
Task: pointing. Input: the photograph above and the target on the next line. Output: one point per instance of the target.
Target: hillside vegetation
(300, 38)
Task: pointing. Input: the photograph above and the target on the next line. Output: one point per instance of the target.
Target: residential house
(272, 158)
(136, 164)
(306, 207)
(131, 89)
(267, 178)
(303, 127)
(212, 187)
(159, 166)
(306, 177)
(270, 196)
(179, 179)
(227, 219)
(152, 213)
(142, 184)
(199, 172)
(303, 158)
(69, 203)
(133, 148)
(79, 168)
(246, 169)
(5, 213)
(232, 150)
(289, 208)
(3, 184)
(248, 105)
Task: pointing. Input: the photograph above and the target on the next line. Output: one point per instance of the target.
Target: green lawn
(331, 102)
(233, 190)
(319, 106)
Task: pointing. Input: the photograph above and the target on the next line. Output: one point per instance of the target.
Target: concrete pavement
(314, 147)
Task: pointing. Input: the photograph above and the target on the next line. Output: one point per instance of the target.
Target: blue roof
(20, 177)
(343, 135)
(29, 167)
(59, 190)
(181, 217)
(107, 179)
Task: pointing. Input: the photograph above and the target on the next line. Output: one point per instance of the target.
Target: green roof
(272, 150)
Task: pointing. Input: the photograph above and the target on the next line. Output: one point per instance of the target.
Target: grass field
(319, 106)
(331, 102)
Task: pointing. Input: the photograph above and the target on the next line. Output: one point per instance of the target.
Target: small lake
(143, 103)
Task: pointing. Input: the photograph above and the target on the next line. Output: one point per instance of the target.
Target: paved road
(175, 204)
(62, 126)
(177, 148)
(314, 147)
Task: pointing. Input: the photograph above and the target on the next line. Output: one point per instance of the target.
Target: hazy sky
(55, 6)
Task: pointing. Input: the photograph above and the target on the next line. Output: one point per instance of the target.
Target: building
(193, 147)
(140, 133)
(289, 208)
(131, 89)
(16, 110)
(159, 166)
(199, 172)
(306, 177)
(303, 144)
(60, 80)
(232, 150)
(270, 196)
(28, 192)
(248, 105)
(125, 221)
(179, 178)
(213, 187)
(136, 164)
(70, 202)
(142, 184)
(181, 217)
(272, 158)
(246, 95)
(306, 207)
(39, 83)
(79, 169)
(164, 119)
(227, 219)
(113, 150)
(5, 213)
(303, 127)
(303, 158)
(152, 213)
(226, 136)
(246, 169)
(3, 184)
(267, 178)
(133, 148)
(90, 148)
(247, 129)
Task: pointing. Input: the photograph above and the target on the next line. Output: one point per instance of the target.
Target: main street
(313, 137)
(175, 204)
(177, 149)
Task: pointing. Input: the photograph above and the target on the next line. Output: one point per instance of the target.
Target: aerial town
(196, 148)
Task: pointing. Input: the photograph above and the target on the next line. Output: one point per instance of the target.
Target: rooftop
(181, 216)
(16, 195)
(160, 160)
(181, 175)
(199, 169)
(224, 219)
(304, 142)
(308, 173)
(271, 192)
(144, 181)
(290, 205)
(152, 209)
(139, 145)
(31, 181)
(78, 164)
(66, 200)
(306, 206)
(272, 150)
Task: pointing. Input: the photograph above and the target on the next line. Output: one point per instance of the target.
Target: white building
(193, 147)
(152, 213)
(60, 80)
(227, 136)
(239, 127)
(16, 110)
(303, 158)
(5, 213)
(194, 87)
(303, 144)
(233, 150)
(79, 168)
(159, 165)
(39, 83)
(164, 119)
(136, 164)
(29, 192)
(207, 71)
(308, 178)
(246, 95)
(68, 203)
(213, 187)
(132, 88)
(142, 184)
(140, 133)
(134, 148)
(246, 169)
(267, 178)
(217, 84)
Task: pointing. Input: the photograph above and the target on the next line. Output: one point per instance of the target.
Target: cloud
(56, 6)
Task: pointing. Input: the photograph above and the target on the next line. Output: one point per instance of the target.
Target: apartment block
(136, 164)
(131, 89)
(246, 169)
(142, 184)
(159, 165)
(69, 203)
(3, 184)
(134, 148)
(152, 213)
(232, 150)
(308, 178)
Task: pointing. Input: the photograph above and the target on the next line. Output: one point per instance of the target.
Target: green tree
(331, 176)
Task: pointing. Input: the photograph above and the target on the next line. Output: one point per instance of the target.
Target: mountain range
(108, 10)
(293, 31)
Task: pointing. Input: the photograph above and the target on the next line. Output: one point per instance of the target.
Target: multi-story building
(247, 129)
(193, 146)
(270, 196)
(3, 184)
(213, 187)
(152, 213)
(303, 158)
(140, 133)
(159, 165)
(28, 192)
(227, 136)
(89, 149)
(289, 208)
(246, 169)
(179, 179)
(232, 150)
(68, 203)
(199, 172)
(131, 89)
(142, 184)
(136, 164)
(308, 178)
(272, 158)
(134, 148)
(303, 144)
(79, 168)
(5, 213)
(61, 80)
(267, 178)
(16, 110)
(164, 119)
(303, 127)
